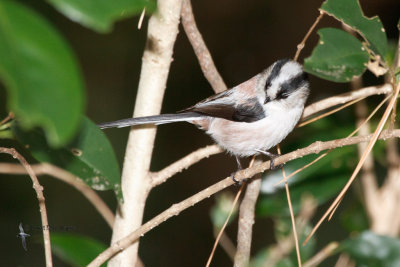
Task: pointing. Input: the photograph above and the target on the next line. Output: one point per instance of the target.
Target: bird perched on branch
(249, 118)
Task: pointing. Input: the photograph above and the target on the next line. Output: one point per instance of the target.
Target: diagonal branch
(42, 205)
(184, 163)
(175, 209)
(346, 97)
(200, 49)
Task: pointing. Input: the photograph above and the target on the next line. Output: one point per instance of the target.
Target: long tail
(157, 119)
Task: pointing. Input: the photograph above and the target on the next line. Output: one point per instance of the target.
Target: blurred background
(244, 37)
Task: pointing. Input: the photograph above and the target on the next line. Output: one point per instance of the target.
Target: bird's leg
(237, 182)
(272, 158)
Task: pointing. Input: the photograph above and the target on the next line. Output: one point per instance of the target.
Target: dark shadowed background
(244, 37)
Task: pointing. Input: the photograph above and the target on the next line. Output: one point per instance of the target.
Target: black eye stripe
(276, 69)
(291, 85)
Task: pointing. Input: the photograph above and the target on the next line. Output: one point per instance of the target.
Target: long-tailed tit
(250, 118)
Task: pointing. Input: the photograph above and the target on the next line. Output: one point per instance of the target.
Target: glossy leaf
(76, 250)
(99, 15)
(89, 156)
(338, 57)
(371, 29)
(40, 74)
(370, 249)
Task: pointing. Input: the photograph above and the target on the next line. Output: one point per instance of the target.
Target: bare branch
(200, 49)
(246, 221)
(346, 97)
(48, 169)
(322, 255)
(194, 157)
(175, 209)
(303, 42)
(42, 205)
(184, 163)
(368, 149)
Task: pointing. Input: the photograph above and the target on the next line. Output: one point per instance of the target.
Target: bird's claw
(272, 158)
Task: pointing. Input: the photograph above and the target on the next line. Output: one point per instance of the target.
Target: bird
(23, 236)
(248, 119)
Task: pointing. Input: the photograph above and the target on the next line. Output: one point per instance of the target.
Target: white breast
(242, 139)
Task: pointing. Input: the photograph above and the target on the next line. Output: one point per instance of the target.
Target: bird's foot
(272, 158)
(236, 181)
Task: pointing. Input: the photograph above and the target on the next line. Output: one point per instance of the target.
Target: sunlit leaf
(40, 73)
(338, 57)
(349, 12)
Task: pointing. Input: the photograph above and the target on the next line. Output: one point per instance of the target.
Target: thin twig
(371, 143)
(175, 209)
(285, 245)
(346, 97)
(6, 119)
(42, 205)
(304, 123)
(226, 243)
(351, 134)
(183, 163)
(246, 221)
(200, 49)
(196, 156)
(322, 255)
(48, 169)
(225, 224)
(252, 161)
(295, 236)
(303, 42)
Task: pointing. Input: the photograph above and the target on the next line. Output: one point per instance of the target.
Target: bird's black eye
(282, 95)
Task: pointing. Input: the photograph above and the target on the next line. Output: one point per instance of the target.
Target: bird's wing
(24, 243)
(21, 230)
(222, 106)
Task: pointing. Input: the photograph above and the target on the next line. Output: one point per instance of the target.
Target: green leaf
(89, 156)
(40, 74)
(370, 249)
(99, 15)
(350, 13)
(76, 250)
(338, 57)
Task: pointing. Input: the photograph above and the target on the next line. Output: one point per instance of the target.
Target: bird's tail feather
(157, 119)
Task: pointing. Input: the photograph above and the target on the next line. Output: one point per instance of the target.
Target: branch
(346, 97)
(48, 169)
(371, 143)
(183, 163)
(175, 209)
(303, 42)
(200, 49)
(194, 157)
(42, 205)
(135, 181)
(246, 221)
(324, 253)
